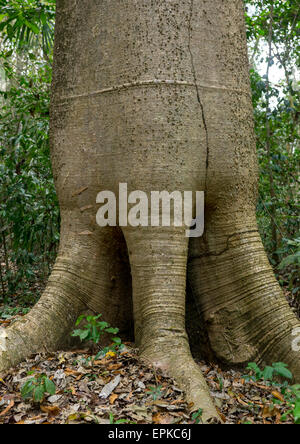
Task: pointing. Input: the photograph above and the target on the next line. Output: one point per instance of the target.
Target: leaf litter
(124, 388)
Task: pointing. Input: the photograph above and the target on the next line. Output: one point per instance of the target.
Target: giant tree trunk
(156, 94)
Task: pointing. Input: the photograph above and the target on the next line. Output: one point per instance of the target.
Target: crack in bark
(197, 89)
(199, 256)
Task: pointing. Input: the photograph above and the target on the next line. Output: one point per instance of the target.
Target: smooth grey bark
(156, 95)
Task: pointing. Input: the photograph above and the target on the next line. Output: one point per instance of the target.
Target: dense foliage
(29, 216)
(273, 38)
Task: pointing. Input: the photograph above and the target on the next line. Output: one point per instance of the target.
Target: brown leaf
(114, 366)
(223, 417)
(103, 361)
(73, 390)
(112, 398)
(10, 405)
(269, 411)
(241, 401)
(50, 410)
(159, 418)
(69, 371)
(35, 418)
(129, 396)
(278, 395)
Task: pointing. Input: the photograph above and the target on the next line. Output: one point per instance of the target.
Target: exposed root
(245, 311)
(90, 273)
(46, 328)
(181, 367)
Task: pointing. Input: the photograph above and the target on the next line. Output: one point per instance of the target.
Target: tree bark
(157, 95)
(245, 312)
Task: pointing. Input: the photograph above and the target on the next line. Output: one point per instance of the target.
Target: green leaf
(281, 370)
(38, 393)
(268, 373)
(111, 330)
(50, 386)
(79, 320)
(83, 334)
(32, 26)
(102, 325)
(296, 411)
(296, 390)
(117, 341)
(27, 389)
(111, 418)
(254, 367)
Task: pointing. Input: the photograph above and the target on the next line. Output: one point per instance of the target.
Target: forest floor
(120, 388)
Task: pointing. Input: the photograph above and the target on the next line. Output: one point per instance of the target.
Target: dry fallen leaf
(51, 410)
(160, 418)
(109, 388)
(112, 398)
(269, 411)
(10, 405)
(114, 367)
(69, 371)
(73, 390)
(79, 379)
(278, 395)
